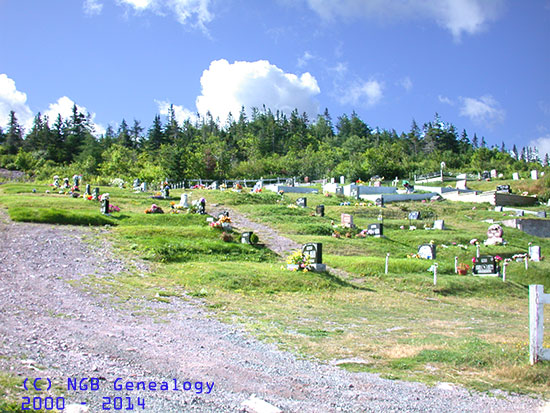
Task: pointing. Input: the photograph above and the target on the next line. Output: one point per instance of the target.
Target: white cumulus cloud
(484, 110)
(64, 107)
(367, 93)
(457, 16)
(195, 12)
(13, 99)
(226, 87)
(543, 145)
(92, 7)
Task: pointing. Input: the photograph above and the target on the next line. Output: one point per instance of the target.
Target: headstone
(105, 206)
(301, 202)
(494, 235)
(504, 189)
(66, 182)
(377, 184)
(144, 187)
(534, 253)
(320, 210)
(315, 252)
(534, 174)
(88, 189)
(215, 185)
(375, 230)
(494, 173)
(414, 215)
(485, 265)
(354, 192)
(515, 176)
(346, 220)
(427, 251)
(461, 184)
(342, 180)
(76, 180)
(258, 186)
(439, 224)
(136, 183)
(339, 190)
(246, 237)
(166, 192)
(541, 214)
(95, 195)
(485, 175)
(520, 213)
(379, 201)
(184, 201)
(332, 180)
(498, 209)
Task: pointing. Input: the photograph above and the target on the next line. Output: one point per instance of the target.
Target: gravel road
(52, 328)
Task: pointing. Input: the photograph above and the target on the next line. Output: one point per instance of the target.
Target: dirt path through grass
(276, 242)
(55, 324)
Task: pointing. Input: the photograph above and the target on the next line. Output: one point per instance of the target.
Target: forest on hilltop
(269, 144)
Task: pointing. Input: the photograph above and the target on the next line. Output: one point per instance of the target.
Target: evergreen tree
(172, 130)
(475, 142)
(515, 153)
(503, 147)
(136, 134)
(155, 135)
(123, 135)
(545, 163)
(14, 135)
(483, 143)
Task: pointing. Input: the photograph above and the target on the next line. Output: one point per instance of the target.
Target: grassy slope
(466, 329)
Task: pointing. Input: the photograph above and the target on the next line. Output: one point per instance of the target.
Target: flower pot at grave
(462, 272)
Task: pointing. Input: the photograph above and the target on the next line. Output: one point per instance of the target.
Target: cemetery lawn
(467, 330)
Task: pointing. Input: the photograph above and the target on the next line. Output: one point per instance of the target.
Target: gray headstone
(427, 251)
(375, 230)
(534, 253)
(315, 251)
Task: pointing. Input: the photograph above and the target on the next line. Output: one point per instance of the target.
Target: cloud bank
(194, 12)
(484, 110)
(13, 99)
(456, 16)
(226, 87)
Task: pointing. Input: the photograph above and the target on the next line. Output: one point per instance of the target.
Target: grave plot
(397, 324)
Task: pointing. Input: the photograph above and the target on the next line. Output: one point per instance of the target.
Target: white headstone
(461, 184)
(346, 220)
(534, 174)
(332, 180)
(515, 176)
(183, 201)
(439, 224)
(493, 173)
(534, 253)
(342, 180)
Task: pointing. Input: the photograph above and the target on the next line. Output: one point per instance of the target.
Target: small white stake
(387, 262)
(456, 265)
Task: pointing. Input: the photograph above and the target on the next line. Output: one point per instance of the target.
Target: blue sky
(483, 65)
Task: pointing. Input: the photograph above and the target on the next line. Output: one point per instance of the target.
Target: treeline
(268, 144)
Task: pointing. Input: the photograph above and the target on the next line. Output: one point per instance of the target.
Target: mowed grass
(467, 330)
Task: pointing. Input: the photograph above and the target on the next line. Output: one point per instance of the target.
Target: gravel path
(276, 242)
(51, 329)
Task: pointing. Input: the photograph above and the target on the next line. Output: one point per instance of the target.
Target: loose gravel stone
(51, 327)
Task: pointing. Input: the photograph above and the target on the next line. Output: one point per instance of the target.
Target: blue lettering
(117, 385)
(209, 387)
(198, 387)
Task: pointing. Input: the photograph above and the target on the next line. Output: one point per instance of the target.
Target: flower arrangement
(462, 268)
(219, 224)
(118, 182)
(155, 209)
(113, 208)
(298, 262)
